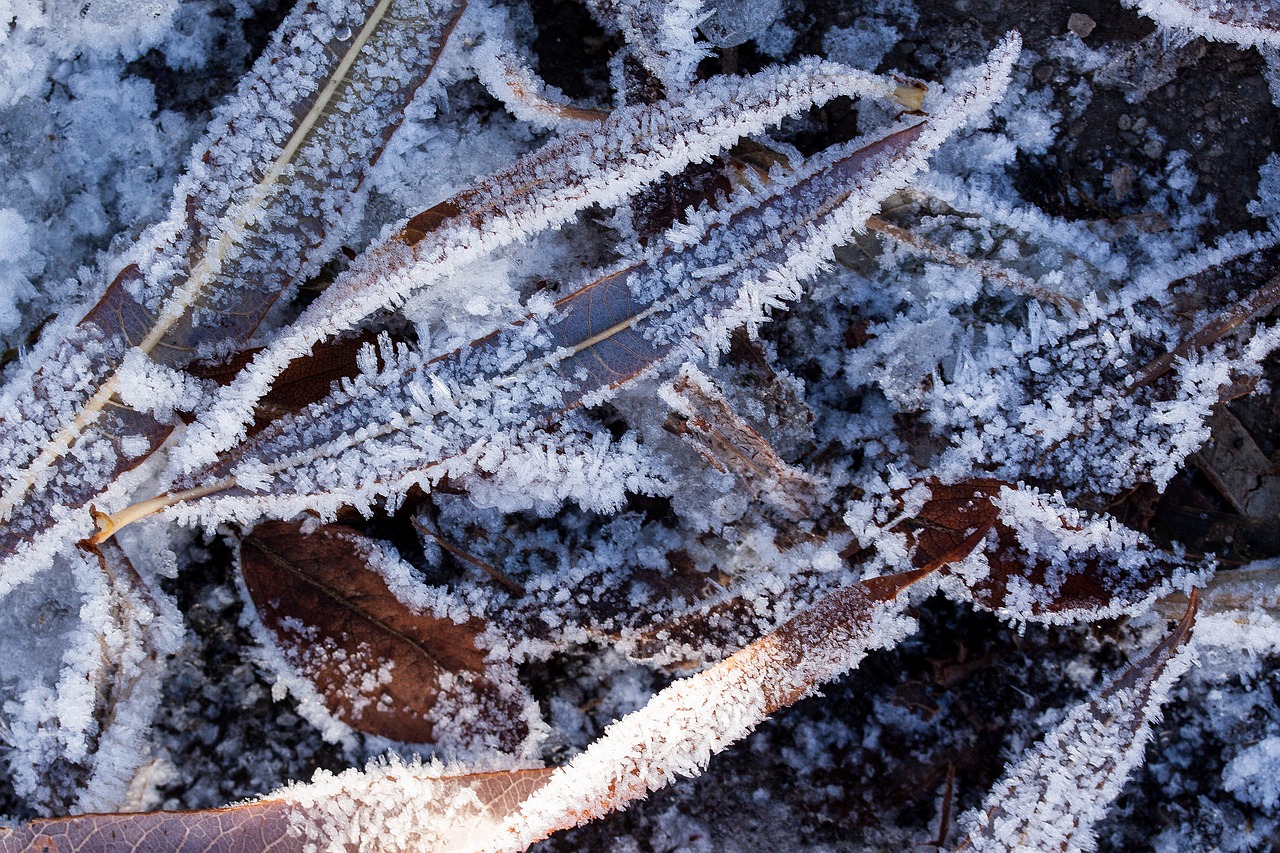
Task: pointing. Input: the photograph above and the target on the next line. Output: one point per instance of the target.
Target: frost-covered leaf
(399, 423)
(86, 663)
(1088, 405)
(678, 731)
(305, 381)
(382, 666)
(603, 165)
(662, 33)
(426, 809)
(1245, 22)
(1051, 798)
(1037, 558)
(260, 207)
(406, 809)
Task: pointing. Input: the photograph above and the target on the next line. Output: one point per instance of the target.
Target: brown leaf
(682, 726)
(951, 517)
(380, 666)
(1086, 572)
(459, 811)
(255, 826)
(657, 208)
(305, 381)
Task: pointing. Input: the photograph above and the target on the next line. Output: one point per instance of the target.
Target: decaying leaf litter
(708, 561)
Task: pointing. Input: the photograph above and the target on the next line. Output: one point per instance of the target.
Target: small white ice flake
(1254, 774)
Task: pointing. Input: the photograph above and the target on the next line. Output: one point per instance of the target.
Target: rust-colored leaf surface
(1086, 573)
(449, 813)
(305, 381)
(380, 666)
(252, 827)
(949, 519)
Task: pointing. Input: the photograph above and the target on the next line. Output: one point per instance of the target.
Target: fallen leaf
(1051, 798)
(380, 665)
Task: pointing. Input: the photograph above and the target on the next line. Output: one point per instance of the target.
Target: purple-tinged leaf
(255, 212)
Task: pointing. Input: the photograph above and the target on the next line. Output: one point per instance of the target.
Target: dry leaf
(452, 813)
(1046, 561)
(381, 666)
(1051, 798)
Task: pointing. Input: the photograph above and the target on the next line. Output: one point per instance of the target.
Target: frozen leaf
(1051, 798)
(1257, 304)
(258, 827)
(728, 443)
(88, 687)
(305, 381)
(381, 666)
(682, 727)
(255, 212)
(396, 807)
(510, 79)
(597, 338)
(394, 426)
(662, 33)
(1249, 23)
(544, 189)
(1037, 558)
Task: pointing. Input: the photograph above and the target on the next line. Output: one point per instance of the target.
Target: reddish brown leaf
(451, 813)
(951, 517)
(305, 381)
(682, 726)
(1089, 571)
(256, 826)
(666, 202)
(380, 666)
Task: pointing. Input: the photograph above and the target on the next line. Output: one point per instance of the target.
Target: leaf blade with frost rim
(594, 341)
(466, 805)
(1039, 559)
(680, 728)
(601, 166)
(1051, 798)
(281, 160)
(390, 429)
(381, 665)
(1243, 22)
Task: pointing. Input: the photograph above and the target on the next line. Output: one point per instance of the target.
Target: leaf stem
(109, 524)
